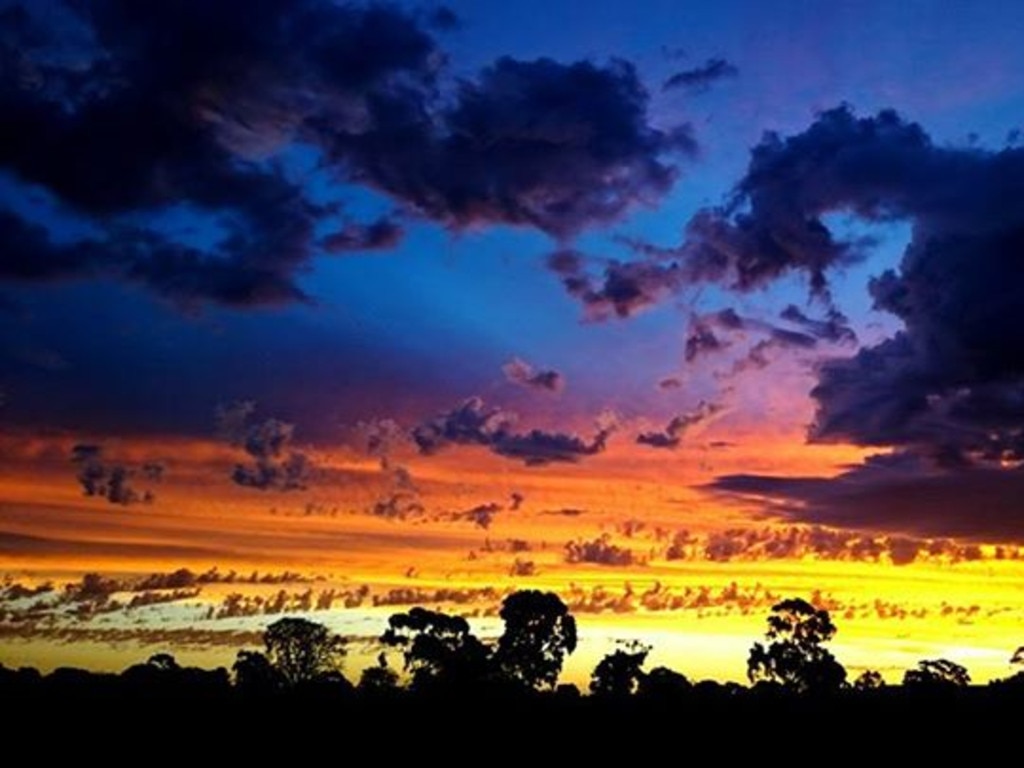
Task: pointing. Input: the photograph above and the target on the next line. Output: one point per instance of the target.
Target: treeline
(442, 658)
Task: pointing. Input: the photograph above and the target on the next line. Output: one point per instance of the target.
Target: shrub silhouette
(619, 674)
(937, 674)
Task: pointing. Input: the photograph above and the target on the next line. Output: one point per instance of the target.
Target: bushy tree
(439, 649)
(663, 683)
(539, 633)
(619, 674)
(303, 650)
(868, 680)
(379, 679)
(937, 674)
(795, 656)
(254, 674)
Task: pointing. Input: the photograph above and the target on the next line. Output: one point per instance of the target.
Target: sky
(673, 310)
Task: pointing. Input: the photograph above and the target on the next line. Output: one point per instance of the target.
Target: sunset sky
(674, 309)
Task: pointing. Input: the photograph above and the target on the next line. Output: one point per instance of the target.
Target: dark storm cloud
(899, 494)
(125, 112)
(473, 423)
(699, 79)
(554, 146)
(952, 382)
(877, 168)
(525, 375)
(111, 480)
(673, 433)
(274, 465)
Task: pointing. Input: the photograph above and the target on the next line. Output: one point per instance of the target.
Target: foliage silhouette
(255, 675)
(868, 680)
(303, 650)
(937, 674)
(439, 650)
(514, 679)
(795, 657)
(663, 684)
(619, 674)
(539, 633)
(380, 679)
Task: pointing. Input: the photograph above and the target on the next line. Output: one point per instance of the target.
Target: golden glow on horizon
(889, 616)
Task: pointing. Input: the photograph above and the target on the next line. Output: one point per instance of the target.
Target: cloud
(600, 551)
(702, 340)
(878, 168)
(470, 423)
(182, 107)
(902, 494)
(834, 328)
(673, 433)
(620, 289)
(537, 448)
(399, 505)
(524, 374)
(699, 79)
(125, 121)
(111, 481)
(824, 543)
(481, 515)
(586, 161)
(274, 466)
(950, 383)
(473, 423)
(714, 332)
(376, 236)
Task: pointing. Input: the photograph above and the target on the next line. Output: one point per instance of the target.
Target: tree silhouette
(937, 674)
(539, 633)
(619, 674)
(303, 650)
(380, 679)
(664, 684)
(439, 649)
(868, 680)
(163, 662)
(254, 674)
(795, 656)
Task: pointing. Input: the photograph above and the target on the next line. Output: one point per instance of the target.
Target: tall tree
(795, 656)
(539, 633)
